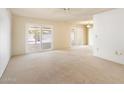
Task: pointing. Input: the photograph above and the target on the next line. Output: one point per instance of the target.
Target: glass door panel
(46, 38)
(33, 39)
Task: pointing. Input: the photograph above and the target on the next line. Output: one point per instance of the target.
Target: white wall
(109, 35)
(5, 39)
(61, 33)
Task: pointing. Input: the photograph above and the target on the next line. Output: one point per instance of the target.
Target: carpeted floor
(76, 66)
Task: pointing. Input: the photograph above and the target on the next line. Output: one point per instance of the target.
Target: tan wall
(61, 34)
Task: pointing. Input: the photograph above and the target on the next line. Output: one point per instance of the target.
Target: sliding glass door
(46, 38)
(33, 39)
(38, 38)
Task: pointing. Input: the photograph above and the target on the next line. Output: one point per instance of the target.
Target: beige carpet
(76, 66)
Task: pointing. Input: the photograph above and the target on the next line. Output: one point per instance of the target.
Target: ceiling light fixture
(88, 26)
(66, 10)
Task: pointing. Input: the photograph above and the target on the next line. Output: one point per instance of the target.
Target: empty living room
(61, 46)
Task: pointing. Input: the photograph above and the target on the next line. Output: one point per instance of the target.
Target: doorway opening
(73, 37)
(76, 36)
(38, 38)
(90, 36)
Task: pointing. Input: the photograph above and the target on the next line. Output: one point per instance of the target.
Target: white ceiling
(59, 14)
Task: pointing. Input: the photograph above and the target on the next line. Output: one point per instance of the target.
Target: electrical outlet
(96, 36)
